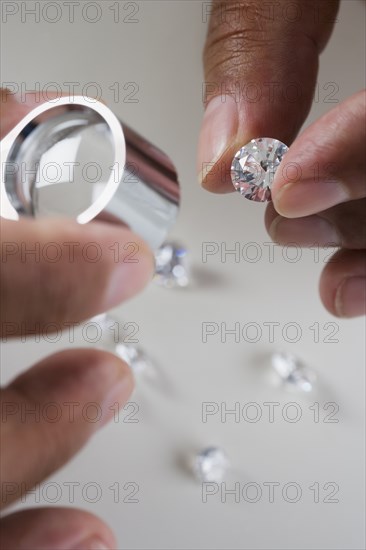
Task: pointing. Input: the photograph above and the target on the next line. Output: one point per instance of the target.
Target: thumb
(261, 64)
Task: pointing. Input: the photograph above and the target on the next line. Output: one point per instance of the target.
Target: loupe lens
(74, 174)
(63, 163)
(76, 160)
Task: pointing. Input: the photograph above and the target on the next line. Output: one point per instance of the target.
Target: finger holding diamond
(343, 284)
(261, 64)
(341, 226)
(326, 165)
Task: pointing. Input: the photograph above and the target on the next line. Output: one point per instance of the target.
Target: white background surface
(162, 55)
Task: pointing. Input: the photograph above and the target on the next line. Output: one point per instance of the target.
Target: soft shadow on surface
(204, 277)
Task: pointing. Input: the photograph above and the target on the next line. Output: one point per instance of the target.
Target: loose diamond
(172, 269)
(104, 322)
(293, 372)
(254, 166)
(211, 464)
(136, 358)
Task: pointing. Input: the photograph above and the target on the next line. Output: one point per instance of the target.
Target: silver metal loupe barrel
(72, 157)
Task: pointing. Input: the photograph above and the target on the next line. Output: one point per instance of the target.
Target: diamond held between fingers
(254, 166)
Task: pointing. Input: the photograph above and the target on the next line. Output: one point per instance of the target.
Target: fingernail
(350, 300)
(219, 128)
(130, 275)
(306, 197)
(117, 395)
(92, 544)
(309, 231)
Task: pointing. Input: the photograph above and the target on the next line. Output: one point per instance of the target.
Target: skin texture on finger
(55, 529)
(261, 64)
(44, 416)
(57, 271)
(342, 226)
(343, 284)
(326, 165)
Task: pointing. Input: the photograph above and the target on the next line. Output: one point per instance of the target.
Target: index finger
(56, 272)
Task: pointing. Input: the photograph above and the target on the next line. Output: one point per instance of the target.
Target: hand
(37, 293)
(261, 64)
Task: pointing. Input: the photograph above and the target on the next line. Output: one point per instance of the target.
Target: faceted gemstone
(105, 323)
(254, 166)
(211, 464)
(293, 372)
(172, 268)
(136, 358)
(113, 335)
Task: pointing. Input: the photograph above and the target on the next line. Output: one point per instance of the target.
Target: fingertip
(216, 144)
(350, 298)
(56, 529)
(127, 280)
(85, 374)
(270, 217)
(76, 271)
(342, 284)
(128, 259)
(72, 394)
(306, 197)
(219, 128)
(215, 176)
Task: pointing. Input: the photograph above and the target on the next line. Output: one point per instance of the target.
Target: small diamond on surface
(211, 464)
(254, 166)
(135, 357)
(172, 269)
(293, 372)
(105, 322)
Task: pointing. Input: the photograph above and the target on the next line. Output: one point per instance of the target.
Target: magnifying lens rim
(118, 139)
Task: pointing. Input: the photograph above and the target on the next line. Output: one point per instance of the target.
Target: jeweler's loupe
(72, 157)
